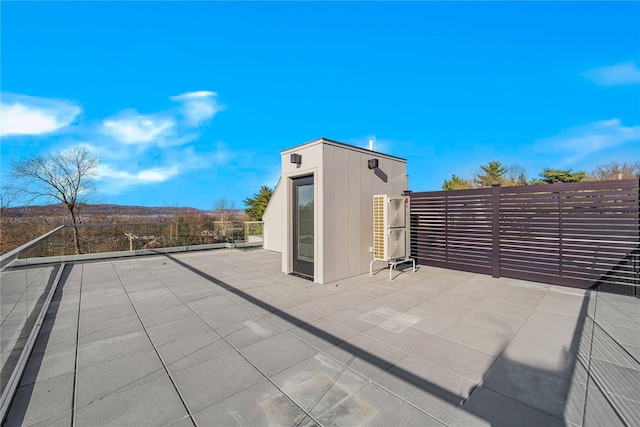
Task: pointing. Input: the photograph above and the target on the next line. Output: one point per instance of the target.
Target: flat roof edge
(339, 144)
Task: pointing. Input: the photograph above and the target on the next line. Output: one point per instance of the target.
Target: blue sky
(190, 102)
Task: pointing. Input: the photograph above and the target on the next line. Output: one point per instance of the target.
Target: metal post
(636, 266)
(495, 230)
(446, 228)
(560, 231)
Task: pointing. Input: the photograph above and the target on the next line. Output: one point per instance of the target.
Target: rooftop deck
(224, 338)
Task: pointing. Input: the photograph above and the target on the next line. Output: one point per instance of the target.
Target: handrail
(12, 255)
(188, 236)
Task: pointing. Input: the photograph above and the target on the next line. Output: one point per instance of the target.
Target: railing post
(446, 228)
(560, 232)
(636, 266)
(495, 231)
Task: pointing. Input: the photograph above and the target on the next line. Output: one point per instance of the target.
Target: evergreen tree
(456, 183)
(522, 180)
(556, 176)
(494, 173)
(257, 204)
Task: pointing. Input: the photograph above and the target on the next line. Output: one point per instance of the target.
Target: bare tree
(65, 176)
(224, 208)
(7, 197)
(516, 175)
(615, 170)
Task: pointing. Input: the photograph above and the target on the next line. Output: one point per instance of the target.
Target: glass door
(303, 226)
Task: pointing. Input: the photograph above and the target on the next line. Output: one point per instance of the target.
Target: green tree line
(495, 172)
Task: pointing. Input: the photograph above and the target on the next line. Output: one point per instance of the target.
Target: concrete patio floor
(223, 338)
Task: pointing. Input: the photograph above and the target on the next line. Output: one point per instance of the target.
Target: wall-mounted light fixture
(296, 158)
(373, 163)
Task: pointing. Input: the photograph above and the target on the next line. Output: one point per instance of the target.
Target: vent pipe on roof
(371, 144)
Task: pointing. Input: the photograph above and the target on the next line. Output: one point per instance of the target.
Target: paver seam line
(476, 348)
(104, 329)
(586, 393)
(248, 267)
(438, 335)
(192, 353)
(619, 306)
(481, 383)
(523, 321)
(74, 395)
(591, 377)
(346, 365)
(577, 360)
(21, 295)
(173, 382)
(126, 387)
(595, 324)
(240, 301)
(200, 279)
(236, 350)
(618, 309)
(53, 420)
(337, 361)
(331, 384)
(357, 290)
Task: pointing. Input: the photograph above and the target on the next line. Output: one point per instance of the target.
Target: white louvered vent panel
(390, 227)
(396, 238)
(378, 227)
(396, 212)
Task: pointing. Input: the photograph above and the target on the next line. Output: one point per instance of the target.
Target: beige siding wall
(344, 187)
(272, 219)
(349, 186)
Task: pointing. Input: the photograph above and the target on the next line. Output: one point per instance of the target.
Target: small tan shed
(321, 216)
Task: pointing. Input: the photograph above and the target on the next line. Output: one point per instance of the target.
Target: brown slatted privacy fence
(578, 234)
(453, 229)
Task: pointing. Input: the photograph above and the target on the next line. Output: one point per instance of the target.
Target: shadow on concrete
(356, 351)
(510, 393)
(517, 410)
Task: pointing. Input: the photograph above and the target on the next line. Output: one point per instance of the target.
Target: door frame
(299, 267)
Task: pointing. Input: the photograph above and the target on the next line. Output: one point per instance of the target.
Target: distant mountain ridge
(109, 210)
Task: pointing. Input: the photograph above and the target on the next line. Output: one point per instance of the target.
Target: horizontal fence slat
(577, 234)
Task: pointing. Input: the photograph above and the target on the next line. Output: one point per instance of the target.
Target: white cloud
(582, 141)
(116, 175)
(199, 106)
(114, 181)
(133, 128)
(30, 115)
(135, 149)
(616, 75)
(145, 176)
(195, 95)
